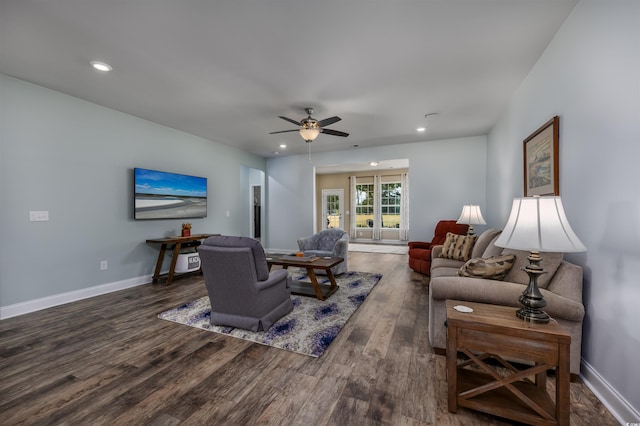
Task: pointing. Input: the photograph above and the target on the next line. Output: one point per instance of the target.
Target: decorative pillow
(486, 238)
(550, 263)
(492, 268)
(458, 247)
(492, 249)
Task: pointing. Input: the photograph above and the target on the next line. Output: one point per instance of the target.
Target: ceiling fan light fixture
(309, 131)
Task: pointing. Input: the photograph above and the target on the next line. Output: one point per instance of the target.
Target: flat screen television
(164, 195)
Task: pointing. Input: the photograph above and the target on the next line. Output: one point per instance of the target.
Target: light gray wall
(75, 159)
(444, 175)
(589, 76)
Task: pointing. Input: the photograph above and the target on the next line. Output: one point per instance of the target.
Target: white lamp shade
(539, 224)
(471, 215)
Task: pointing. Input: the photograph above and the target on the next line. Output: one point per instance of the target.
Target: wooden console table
(491, 330)
(179, 242)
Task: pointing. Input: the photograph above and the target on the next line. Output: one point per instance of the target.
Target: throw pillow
(458, 247)
(492, 249)
(486, 238)
(550, 263)
(492, 268)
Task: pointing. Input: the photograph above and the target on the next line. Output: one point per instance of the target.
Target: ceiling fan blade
(290, 120)
(334, 132)
(329, 121)
(284, 131)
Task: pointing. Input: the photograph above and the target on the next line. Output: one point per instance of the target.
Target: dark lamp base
(531, 298)
(533, 315)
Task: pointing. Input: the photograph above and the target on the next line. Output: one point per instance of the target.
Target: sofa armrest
(419, 244)
(501, 293)
(436, 251)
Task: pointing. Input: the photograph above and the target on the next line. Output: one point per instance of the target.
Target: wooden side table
(495, 332)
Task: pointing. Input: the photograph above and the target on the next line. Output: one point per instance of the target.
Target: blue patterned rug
(308, 329)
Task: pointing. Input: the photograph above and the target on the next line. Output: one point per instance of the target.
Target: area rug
(308, 329)
(379, 248)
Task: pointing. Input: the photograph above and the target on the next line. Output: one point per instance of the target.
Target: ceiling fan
(310, 128)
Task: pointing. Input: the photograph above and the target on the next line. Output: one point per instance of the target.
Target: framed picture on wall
(541, 160)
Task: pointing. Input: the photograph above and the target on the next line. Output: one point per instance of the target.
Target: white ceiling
(225, 70)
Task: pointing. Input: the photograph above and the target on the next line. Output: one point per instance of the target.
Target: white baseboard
(608, 395)
(72, 296)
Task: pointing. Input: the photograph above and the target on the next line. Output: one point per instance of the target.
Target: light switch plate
(38, 216)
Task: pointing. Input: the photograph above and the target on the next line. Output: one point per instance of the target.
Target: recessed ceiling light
(101, 66)
(276, 152)
(421, 129)
(282, 145)
(373, 163)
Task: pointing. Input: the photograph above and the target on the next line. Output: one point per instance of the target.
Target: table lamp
(537, 224)
(471, 215)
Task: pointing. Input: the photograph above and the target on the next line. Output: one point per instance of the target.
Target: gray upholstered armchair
(242, 291)
(330, 242)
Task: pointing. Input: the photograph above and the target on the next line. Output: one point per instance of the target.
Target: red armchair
(420, 252)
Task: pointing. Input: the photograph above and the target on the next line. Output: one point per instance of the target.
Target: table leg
(541, 379)
(314, 283)
(174, 260)
(332, 279)
(563, 397)
(156, 274)
(452, 369)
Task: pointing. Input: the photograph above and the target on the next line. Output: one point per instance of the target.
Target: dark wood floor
(109, 360)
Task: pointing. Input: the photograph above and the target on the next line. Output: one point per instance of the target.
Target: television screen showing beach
(163, 195)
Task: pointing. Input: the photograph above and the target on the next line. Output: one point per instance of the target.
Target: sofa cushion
(458, 247)
(441, 262)
(550, 263)
(483, 242)
(493, 268)
(492, 249)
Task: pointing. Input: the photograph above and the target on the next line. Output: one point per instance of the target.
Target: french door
(332, 209)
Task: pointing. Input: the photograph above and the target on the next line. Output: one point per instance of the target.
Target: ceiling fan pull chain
(309, 152)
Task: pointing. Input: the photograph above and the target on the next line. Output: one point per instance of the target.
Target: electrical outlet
(104, 265)
(228, 213)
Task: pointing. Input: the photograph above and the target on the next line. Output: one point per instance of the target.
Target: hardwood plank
(110, 360)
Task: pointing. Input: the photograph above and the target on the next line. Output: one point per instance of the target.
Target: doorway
(333, 209)
(257, 207)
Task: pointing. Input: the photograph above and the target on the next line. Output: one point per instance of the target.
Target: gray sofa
(561, 288)
(242, 291)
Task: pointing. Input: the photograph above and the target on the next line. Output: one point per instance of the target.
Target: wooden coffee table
(320, 291)
(496, 332)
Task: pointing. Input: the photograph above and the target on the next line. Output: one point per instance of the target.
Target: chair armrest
(342, 247)
(275, 278)
(419, 244)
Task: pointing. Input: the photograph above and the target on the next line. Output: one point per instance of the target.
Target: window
(390, 195)
(364, 205)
